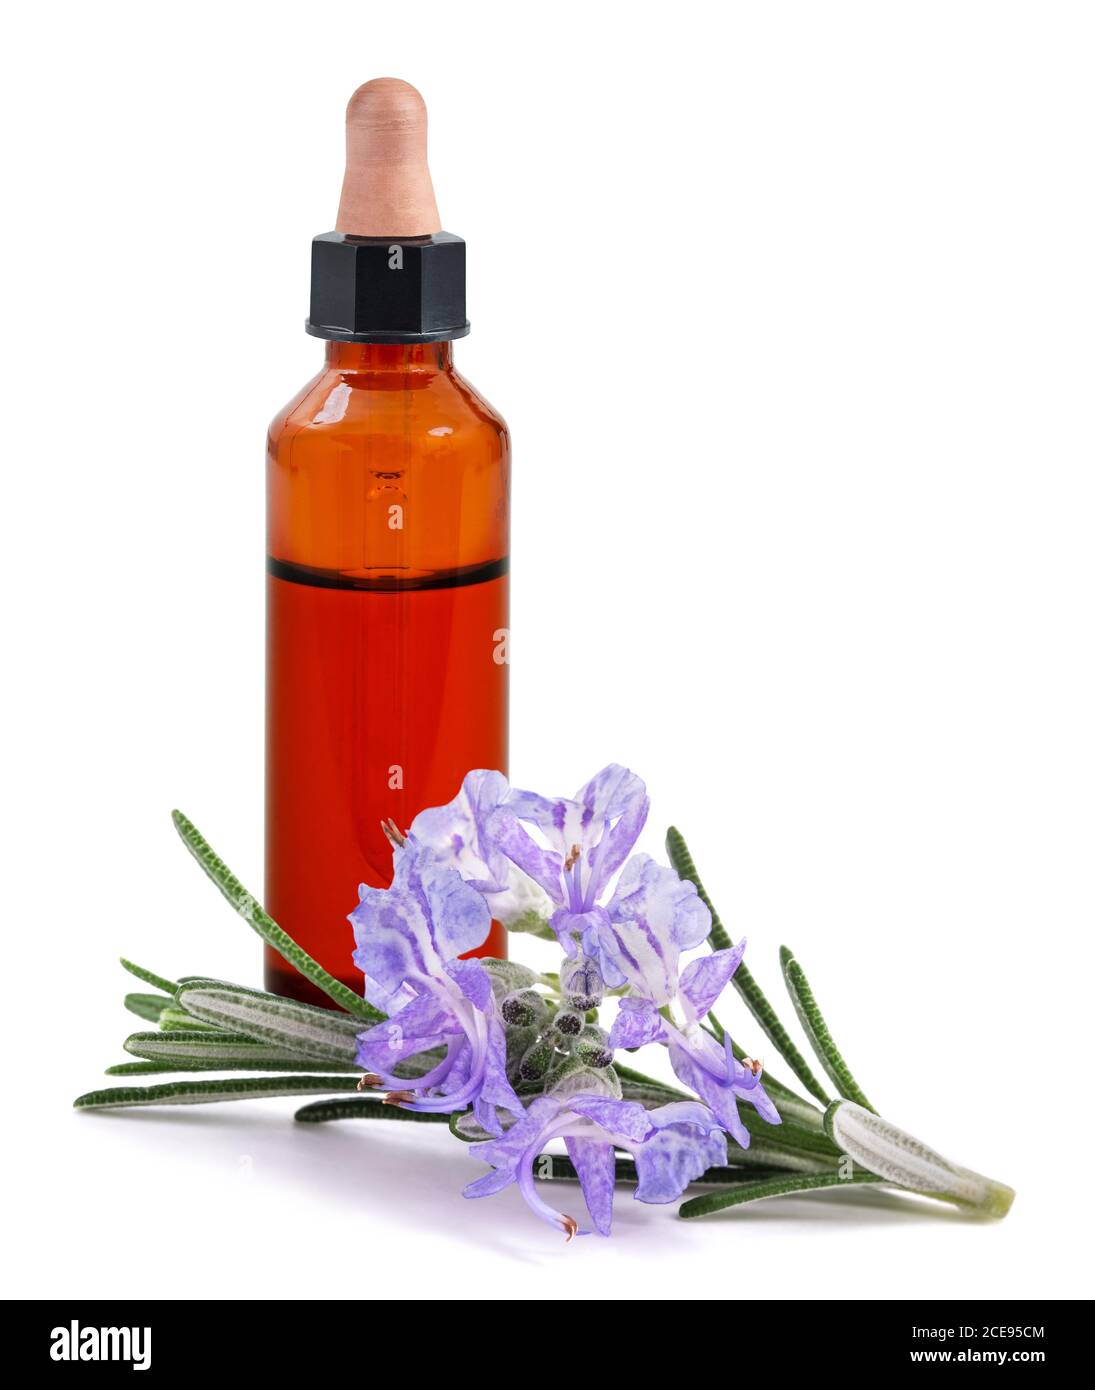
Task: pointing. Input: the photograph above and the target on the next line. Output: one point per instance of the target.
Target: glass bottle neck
(389, 357)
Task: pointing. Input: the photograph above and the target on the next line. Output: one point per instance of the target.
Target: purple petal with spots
(473, 980)
(491, 1182)
(616, 844)
(656, 915)
(548, 814)
(462, 1055)
(387, 1000)
(600, 943)
(673, 1157)
(715, 1091)
(763, 1103)
(626, 1118)
(506, 1152)
(637, 1024)
(458, 912)
(457, 831)
(420, 1025)
(393, 939)
(612, 792)
(543, 866)
(487, 1115)
(587, 925)
(496, 1089)
(705, 978)
(652, 893)
(685, 1112)
(745, 1082)
(595, 1163)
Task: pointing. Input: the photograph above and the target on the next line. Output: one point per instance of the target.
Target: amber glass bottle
(387, 626)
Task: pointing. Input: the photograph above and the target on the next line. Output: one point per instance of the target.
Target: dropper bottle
(387, 550)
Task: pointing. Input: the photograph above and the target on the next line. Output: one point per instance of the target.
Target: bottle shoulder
(335, 404)
(388, 472)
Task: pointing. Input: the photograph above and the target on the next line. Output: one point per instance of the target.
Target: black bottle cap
(385, 290)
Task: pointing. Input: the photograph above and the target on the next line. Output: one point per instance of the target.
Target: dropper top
(387, 190)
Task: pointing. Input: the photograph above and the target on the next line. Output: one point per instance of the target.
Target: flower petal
(611, 795)
(716, 1091)
(458, 912)
(550, 815)
(472, 979)
(543, 866)
(418, 1026)
(394, 942)
(595, 1163)
(705, 978)
(456, 832)
(613, 792)
(637, 1024)
(674, 1156)
(684, 1112)
(626, 1118)
(490, 1183)
(496, 1089)
(655, 915)
(617, 842)
(587, 926)
(507, 1151)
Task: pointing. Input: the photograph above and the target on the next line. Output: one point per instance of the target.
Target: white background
(790, 310)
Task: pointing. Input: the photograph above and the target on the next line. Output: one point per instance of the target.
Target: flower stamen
(393, 834)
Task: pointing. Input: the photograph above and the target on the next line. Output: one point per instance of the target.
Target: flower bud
(582, 983)
(569, 1023)
(591, 1047)
(523, 1008)
(537, 1061)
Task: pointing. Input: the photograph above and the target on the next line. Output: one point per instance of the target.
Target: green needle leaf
(145, 1069)
(147, 1006)
(770, 1187)
(173, 1018)
(290, 1026)
(211, 1051)
(201, 1092)
(756, 1001)
(251, 911)
(821, 1040)
(168, 986)
(361, 1108)
(639, 1080)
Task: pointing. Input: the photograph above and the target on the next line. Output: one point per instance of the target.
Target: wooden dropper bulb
(387, 190)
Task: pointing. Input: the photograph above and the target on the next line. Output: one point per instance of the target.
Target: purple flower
(636, 937)
(409, 940)
(652, 917)
(456, 836)
(588, 839)
(672, 1146)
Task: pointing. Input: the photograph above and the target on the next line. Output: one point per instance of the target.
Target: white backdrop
(789, 309)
